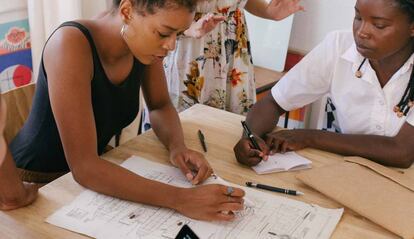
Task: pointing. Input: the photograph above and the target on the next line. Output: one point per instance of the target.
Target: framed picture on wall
(15, 46)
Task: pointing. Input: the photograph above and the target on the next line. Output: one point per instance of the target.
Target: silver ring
(229, 190)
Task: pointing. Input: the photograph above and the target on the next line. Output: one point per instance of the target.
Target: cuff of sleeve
(280, 99)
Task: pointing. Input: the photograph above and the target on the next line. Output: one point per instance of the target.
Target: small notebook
(289, 161)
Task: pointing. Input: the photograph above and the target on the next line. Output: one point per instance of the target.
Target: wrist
(310, 137)
(267, 14)
(175, 150)
(189, 33)
(176, 146)
(177, 200)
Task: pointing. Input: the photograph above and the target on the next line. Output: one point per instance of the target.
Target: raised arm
(273, 10)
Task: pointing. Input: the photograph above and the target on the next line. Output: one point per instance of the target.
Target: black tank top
(37, 147)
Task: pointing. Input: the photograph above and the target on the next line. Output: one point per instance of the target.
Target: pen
(202, 141)
(250, 135)
(274, 189)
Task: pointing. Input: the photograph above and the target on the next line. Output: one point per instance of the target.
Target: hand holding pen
(250, 150)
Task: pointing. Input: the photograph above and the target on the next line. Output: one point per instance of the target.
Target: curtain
(46, 15)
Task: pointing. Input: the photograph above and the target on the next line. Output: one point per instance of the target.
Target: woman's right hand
(210, 202)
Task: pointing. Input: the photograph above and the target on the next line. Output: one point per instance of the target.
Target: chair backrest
(19, 103)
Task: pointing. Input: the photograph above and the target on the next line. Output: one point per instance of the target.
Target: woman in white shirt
(369, 76)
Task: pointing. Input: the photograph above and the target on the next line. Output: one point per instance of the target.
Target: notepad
(289, 161)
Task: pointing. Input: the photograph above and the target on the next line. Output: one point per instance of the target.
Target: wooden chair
(19, 103)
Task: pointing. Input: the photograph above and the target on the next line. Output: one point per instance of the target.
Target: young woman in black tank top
(87, 91)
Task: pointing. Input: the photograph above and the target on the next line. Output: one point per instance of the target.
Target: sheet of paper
(266, 215)
(288, 161)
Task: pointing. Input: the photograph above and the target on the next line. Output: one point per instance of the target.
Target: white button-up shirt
(362, 105)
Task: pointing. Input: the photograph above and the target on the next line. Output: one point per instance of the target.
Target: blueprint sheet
(266, 215)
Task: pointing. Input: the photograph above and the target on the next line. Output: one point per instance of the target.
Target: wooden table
(222, 130)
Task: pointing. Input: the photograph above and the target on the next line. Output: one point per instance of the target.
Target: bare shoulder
(68, 52)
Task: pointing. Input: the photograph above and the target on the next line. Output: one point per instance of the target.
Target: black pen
(202, 141)
(251, 136)
(274, 189)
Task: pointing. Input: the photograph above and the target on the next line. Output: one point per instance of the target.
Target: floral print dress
(216, 69)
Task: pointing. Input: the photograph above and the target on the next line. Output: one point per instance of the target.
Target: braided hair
(151, 6)
(407, 100)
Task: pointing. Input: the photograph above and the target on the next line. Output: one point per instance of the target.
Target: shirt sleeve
(310, 79)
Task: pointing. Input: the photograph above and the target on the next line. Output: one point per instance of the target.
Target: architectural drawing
(265, 215)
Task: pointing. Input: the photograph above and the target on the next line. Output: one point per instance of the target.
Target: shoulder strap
(86, 33)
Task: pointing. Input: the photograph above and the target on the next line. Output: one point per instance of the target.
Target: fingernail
(189, 176)
(195, 182)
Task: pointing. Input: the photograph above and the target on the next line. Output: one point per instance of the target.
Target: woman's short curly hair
(151, 6)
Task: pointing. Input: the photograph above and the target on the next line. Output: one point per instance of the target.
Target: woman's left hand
(280, 9)
(192, 163)
(288, 140)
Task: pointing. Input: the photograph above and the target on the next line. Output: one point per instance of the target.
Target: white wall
(12, 10)
(269, 41)
(94, 7)
(320, 17)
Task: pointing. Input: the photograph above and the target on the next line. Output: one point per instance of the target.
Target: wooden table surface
(222, 130)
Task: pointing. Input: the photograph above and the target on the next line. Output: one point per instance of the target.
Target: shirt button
(379, 127)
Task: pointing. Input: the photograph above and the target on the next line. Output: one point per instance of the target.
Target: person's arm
(394, 151)
(261, 119)
(273, 10)
(166, 124)
(68, 63)
(302, 85)
(13, 192)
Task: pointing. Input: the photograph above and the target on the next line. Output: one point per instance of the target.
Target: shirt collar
(352, 55)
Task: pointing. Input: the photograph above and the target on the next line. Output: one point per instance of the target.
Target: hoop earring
(123, 29)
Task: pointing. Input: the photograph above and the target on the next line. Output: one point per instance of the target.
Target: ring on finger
(229, 190)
